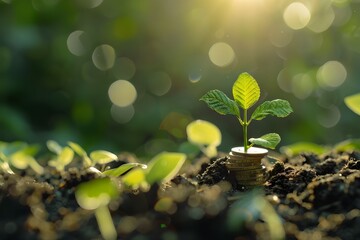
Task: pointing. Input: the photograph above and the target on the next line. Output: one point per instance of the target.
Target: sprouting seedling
(162, 168)
(96, 195)
(353, 102)
(20, 155)
(246, 93)
(205, 135)
(66, 154)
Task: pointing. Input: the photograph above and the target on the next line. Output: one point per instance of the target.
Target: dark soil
(314, 197)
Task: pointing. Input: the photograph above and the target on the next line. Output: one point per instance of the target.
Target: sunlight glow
(331, 75)
(221, 54)
(329, 117)
(104, 57)
(122, 93)
(297, 15)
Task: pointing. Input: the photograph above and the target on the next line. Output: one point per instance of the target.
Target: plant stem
(245, 121)
(106, 225)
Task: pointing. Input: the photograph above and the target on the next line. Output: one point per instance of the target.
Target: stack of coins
(247, 167)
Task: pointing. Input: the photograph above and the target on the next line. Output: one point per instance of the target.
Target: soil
(313, 197)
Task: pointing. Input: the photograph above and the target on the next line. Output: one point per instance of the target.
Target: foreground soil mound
(304, 197)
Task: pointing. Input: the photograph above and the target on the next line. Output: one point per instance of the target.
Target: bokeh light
(297, 15)
(159, 83)
(221, 54)
(322, 18)
(329, 117)
(331, 75)
(75, 43)
(122, 114)
(122, 93)
(104, 57)
(302, 86)
(89, 3)
(124, 68)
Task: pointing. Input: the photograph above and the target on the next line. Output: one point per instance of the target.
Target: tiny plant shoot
(246, 93)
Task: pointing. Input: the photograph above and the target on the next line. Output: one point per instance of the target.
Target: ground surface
(305, 197)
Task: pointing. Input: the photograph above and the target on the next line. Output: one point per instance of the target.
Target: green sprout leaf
(303, 147)
(54, 146)
(135, 178)
(205, 135)
(102, 157)
(269, 140)
(164, 166)
(353, 102)
(202, 132)
(77, 148)
(82, 153)
(219, 102)
(116, 172)
(64, 158)
(246, 91)
(348, 145)
(277, 108)
(96, 195)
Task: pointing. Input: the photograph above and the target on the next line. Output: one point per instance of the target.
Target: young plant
(205, 135)
(161, 168)
(96, 195)
(65, 155)
(246, 93)
(19, 155)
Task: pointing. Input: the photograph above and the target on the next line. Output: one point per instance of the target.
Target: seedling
(96, 195)
(65, 155)
(162, 168)
(205, 135)
(246, 93)
(19, 155)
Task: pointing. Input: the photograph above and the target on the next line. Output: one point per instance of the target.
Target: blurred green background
(126, 75)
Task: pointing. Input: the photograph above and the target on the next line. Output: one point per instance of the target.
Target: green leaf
(78, 149)
(54, 146)
(96, 193)
(277, 107)
(164, 166)
(246, 91)
(348, 145)
(219, 102)
(303, 147)
(102, 157)
(116, 172)
(201, 132)
(353, 102)
(66, 156)
(135, 178)
(269, 140)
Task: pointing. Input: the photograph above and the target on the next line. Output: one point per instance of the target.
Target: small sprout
(164, 166)
(21, 156)
(82, 153)
(63, 158)
(205, 135)
(116, 172)
(136, 179)
(102, 157)
(54, 147)
(353, 102)
(96, 195)
(246, 93)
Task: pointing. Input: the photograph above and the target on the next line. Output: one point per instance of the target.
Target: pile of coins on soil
(247, 167)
